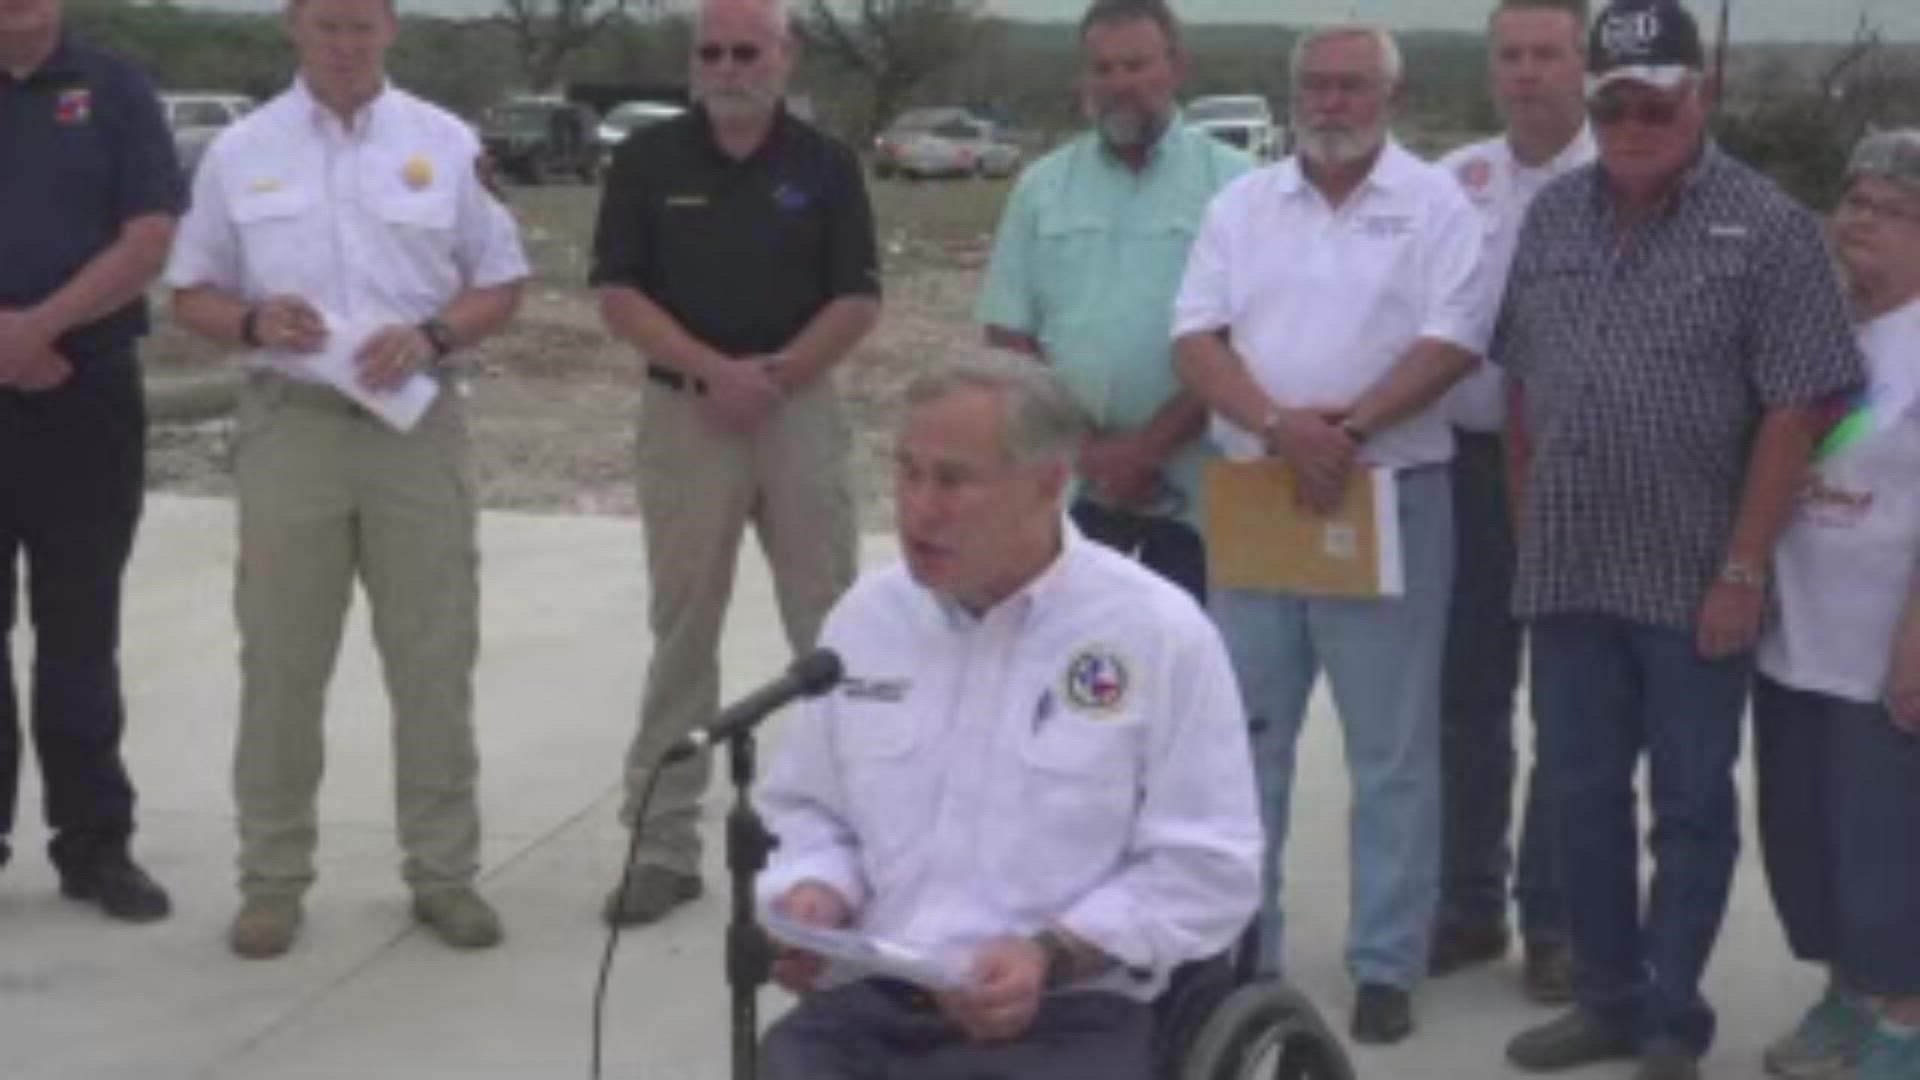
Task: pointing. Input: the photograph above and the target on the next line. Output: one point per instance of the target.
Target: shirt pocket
(889, 796)
(417, 231)
(275, 230)
(1068, 819)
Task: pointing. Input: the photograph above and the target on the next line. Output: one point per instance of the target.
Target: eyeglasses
(713, 53)
(1611, 111)
(1866, 206)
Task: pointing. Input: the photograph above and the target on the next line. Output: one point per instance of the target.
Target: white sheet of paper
(859, 955)
(401, 408)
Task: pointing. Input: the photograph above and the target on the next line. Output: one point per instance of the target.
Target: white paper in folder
(858, 955)
(401, 408)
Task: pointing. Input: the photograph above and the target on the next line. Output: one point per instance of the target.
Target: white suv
(1242, 120)
(195, 118)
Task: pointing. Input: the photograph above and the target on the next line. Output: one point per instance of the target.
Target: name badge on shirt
(880, 691)
(72, 108)
(1386, 226)
(686, 202)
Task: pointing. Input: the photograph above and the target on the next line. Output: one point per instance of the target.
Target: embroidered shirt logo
(73, 107)
(417, 173)
(1098, 680)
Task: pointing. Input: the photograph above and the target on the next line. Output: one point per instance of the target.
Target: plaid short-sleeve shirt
(1649, 355)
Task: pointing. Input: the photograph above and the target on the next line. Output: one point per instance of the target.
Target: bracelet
(250, 327)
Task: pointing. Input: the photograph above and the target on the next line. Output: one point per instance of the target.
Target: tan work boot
(648, 894)
(265, 926)
(458, 916)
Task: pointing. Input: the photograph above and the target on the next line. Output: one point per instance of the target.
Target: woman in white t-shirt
(1837, 705)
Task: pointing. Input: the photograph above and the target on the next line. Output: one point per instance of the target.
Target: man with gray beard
(1088, 256)
(735, 253)
(1330, 300)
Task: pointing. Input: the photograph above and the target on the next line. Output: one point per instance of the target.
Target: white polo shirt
(380, 222)
(1321, 302)
(1076, 757)
(1502, 189)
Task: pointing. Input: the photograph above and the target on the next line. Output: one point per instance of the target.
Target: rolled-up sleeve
(1007, 297)
(206, 246)
(1190, 881)
(803, 798)
(1457, 300)
(1204, 303)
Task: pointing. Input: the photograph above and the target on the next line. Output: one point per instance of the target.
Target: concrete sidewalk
(364, 995)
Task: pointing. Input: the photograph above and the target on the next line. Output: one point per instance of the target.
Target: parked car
(943, 142)
(195, 118)
(626, 118)
(534, 140)
(1242, 120)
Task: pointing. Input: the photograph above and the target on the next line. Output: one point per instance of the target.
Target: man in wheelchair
(1037, 769)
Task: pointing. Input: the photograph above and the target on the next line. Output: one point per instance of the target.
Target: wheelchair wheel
(1266, 1031)
(1180, 1014)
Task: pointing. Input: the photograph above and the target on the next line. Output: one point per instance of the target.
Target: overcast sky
(1772, 20)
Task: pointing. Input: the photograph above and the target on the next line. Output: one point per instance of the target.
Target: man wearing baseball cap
(1673, 325)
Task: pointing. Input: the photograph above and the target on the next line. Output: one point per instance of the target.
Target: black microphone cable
(620, 905)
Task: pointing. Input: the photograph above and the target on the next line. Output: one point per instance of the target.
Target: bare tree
(891, 46)
(547, 32)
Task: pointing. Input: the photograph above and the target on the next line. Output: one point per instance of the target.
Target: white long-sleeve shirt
(1077, 757)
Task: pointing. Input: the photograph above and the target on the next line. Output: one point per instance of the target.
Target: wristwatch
(1743, 574)
(440, 336)
(1060, 958)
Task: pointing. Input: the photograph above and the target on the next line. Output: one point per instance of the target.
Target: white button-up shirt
(1322, 302)
(1077, 757)
(1503, 190)
(381, 221)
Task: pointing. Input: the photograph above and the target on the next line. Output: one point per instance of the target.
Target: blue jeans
(1605, 690)
(1382, 659)
(1477, 682)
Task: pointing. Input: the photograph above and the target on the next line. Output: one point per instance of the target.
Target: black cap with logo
(1655, 42)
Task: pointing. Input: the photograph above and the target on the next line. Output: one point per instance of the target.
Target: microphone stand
(749, 955)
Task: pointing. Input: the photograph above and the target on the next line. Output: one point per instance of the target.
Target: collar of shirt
(1034, 596)
(1701, 171)
(62, 62)
(701, 132)
(1390, 171)
(1575, 154)
(326, 122)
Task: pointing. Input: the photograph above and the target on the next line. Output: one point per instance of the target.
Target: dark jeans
(1839, 794)
(855, 1032)
(1606, 690)
(1170, 548)
(1477, 681)
(71, 471)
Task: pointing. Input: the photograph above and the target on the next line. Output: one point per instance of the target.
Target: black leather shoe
(1382, 1014)
(120, 887)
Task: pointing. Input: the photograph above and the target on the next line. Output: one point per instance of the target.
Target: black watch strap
(440, 336)
(1060, 958)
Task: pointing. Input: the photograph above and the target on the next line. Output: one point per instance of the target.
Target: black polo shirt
(742, 254)
(83, 150)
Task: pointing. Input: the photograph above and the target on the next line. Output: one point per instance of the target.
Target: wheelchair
(1218, 1021)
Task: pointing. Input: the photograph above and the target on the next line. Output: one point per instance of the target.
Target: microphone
(810, 676)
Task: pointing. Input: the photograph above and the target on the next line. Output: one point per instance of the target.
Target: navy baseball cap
(1655, 42)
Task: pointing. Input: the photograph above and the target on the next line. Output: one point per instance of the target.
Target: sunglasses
(741, 54)
(1609, 112)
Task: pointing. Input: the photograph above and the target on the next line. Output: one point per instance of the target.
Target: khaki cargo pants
(699, 488)
(327, 495)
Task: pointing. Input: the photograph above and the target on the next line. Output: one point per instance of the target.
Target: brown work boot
(1547, 977)
(265, 926)
(1460, 945)
(458, 916)
(648, 894)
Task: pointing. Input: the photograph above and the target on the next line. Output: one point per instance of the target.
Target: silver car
(195, 118)
(626, 118)
(943, 142)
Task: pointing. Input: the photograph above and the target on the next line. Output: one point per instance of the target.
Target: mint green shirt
(1087, 262)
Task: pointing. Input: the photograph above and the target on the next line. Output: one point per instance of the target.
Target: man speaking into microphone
(1036, 766)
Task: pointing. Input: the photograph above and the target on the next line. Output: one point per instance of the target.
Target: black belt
(674, 380)
(905, 995)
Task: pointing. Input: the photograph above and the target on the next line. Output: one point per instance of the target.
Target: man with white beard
(1330, 300)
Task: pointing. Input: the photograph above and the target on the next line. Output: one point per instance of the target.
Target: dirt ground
(553, 400)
